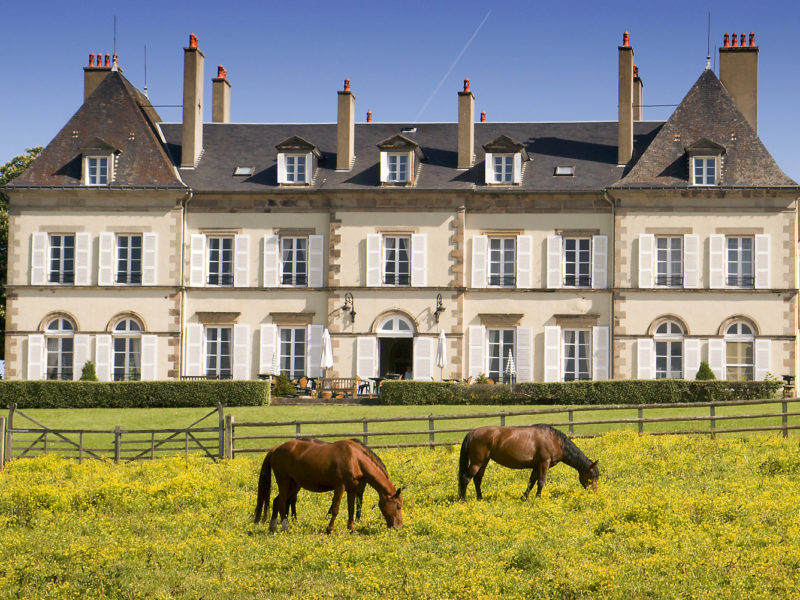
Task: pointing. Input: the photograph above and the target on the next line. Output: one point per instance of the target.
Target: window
(503, 168)
(501, 343)
(565, 171)
(293, 351)
(397, 261)
(396, 326)
(295, 168)
(397, 168)
(577, 353)
(127, 348)
(218, 352)
(59, 346)
(97, 170)
(243, 171)
(669, 261)
(129, 259)
(739, 342)
(704, 170)
(740, 262)
(220, 261)
(577, 262)
(502, 261)
(62, 258)
(294, 261)
(669, 351)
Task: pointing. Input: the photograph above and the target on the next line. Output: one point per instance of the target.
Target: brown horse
(537, 448)
(343, 466)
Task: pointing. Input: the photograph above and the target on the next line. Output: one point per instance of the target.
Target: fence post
(430, 431)
(785, 418)
(80, 448)
(503, 419)
(221, 430)
(186, 445)
(713, 422)
(2, 443)
(229, 436)
(641, 421)
(117, 443)
(44, 442)
(10, 433)
(366, 434)
(296, 429)
(571, 425)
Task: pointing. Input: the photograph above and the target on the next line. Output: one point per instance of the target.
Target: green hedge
(132, 394)
(627, 391)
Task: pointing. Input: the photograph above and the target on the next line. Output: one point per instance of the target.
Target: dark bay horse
(343, 466)
(537, 448)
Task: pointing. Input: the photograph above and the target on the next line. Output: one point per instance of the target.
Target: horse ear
(594, 464)
(397, 493)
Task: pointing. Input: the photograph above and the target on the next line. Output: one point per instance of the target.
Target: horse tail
(264, 486)
(463, 465)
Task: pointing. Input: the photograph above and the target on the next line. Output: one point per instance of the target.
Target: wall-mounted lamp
(348, 306)
(439, 308)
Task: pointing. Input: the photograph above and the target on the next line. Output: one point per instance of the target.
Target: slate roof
(590, 146)
(115, 116)
(708, 113)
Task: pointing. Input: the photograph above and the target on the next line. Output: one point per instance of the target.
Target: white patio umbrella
(275, 369)
(511, 368)
(441, 353)
(327, 351)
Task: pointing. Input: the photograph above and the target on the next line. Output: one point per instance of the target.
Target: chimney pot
(369, 116)
(726, 43)
(483, 116)
(742, 44)
(626, 40)
(108, 60)
(466, 84)
(192, 40)
(91, 59)
(635, 71)
(221, 72)
(346, 85)
(752, 39)
(735, 41)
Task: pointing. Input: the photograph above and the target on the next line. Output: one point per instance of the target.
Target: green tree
(88, 373)
(9, 171)
(704, 373)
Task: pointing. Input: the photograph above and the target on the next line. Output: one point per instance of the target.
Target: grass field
(675, 517)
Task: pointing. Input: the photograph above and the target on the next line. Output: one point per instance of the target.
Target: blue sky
(534, 61)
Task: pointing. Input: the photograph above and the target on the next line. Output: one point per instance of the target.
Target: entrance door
(396, 356)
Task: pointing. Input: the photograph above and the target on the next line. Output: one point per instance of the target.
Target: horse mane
(573, 456)
(371, 454)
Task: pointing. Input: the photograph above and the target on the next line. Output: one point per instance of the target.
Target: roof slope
(708, 113)
(121, 117)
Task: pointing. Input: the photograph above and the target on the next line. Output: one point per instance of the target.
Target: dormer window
(295, 161)
(399, 160)
(98, 162)
(397, 168)
(704, 170)
(705, 160)
(504, 158)
(97, 170)
(296, 168)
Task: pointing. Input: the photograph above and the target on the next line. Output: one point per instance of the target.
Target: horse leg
(351, 505)
(543, 466)
(531, 480)
(479, 479)
(293, 506)
(337, 499)
(291, 498)
(278, 504)
(360, 500)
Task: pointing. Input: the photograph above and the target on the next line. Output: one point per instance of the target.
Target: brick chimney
(466, 127)
(193, 61)
(738, 72)
(221, 97)
(95, 73)
(638, 88)
(346, 129)
(625, 136)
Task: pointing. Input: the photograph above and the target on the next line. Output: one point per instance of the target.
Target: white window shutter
(105, 260)
(193, 362)
(761, 262)
(149, 357)
(281, 167)
(691, 358)
(241, 351)
(374, 259)
(309, 168)
(645, 359)
(419, 246)
(554, 262)
(316, 260)
(241, 260)
(39, 244)
(197, 261)
(103, 357)
(691, 263)
(412, 166)
(524, 355)
(83, 258)
(716, 356)
(82, 348)
(489, 168)
(477, 346)
(525, 261)
(480, 250)
(424, 354)
(552, 353)
(716, 262)
(647, 259)
(314, 351)
(149, 258)
(517, 167)
(36, 356)
(366, 357)
(384, 168)
(600, 352)
(267, 347)
(600, 261)
(272, 261)
(762, 359)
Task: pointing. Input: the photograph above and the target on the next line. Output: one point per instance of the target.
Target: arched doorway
(395, 346)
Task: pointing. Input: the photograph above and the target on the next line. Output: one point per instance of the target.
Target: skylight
(243, 170)
(565, 171)
(408, 130)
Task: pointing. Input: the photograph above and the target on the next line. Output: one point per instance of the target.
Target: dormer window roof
(97, 162)
(400, 157)
(504, 158)
(295, 162)
(705, 161)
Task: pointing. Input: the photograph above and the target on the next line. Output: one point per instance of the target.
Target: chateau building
(583, 250)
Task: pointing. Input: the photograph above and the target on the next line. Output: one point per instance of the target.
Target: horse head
(590, 476)
(391, 507)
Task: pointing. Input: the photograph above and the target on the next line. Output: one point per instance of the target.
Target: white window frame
(58, 267)
(499, 256)
(292, 351)
(497, 351)
(289, 262)
(503, 168)
(296, 165)
(703, 163)
(224, 268)
(741, 280)
(668, 271)
(740, 333)
(391, 274)
(126, 356)
(576, 373)
(217, 349)
(395, 161)
(93, 167)
(125, 264)
(668, 336)
(575, 279)
(59, 343)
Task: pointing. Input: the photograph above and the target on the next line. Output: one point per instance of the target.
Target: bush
(704, 373)
(132, 394)
(626, 391)
(88, 373)
(282, 386)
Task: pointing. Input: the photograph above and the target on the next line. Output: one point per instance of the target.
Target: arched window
(127, 344)
(396, 326)
(59, 343)
(668, 338)
(739, 355)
